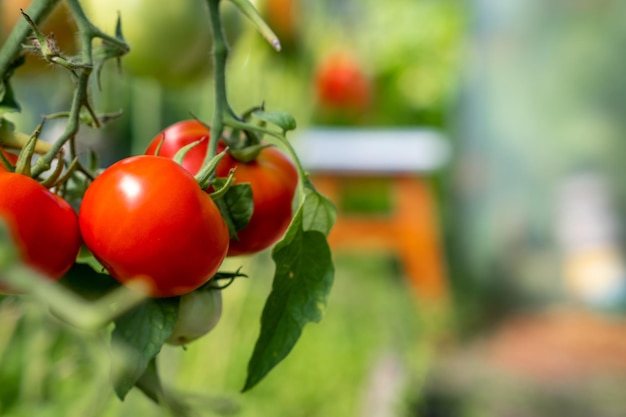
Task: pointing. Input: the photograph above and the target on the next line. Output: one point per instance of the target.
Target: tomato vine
(144, 320)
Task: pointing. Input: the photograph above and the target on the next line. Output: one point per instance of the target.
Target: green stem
(38, 11)
(220, 55)
(71, 128)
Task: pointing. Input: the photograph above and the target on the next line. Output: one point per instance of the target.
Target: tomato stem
(220, 55)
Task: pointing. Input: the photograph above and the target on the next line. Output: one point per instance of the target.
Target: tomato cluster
(147, 218)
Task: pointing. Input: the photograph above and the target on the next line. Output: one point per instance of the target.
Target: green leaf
(236, 207)
(281, 119)
(86, 281)
(319, 213)
(138, 337)
(303, 278)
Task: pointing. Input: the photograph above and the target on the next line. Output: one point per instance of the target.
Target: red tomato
(146, 217)
(178, 135)
(43, 225)
(341, 83)
(272, 177)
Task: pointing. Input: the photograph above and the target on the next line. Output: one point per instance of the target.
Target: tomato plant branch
(220, 55)
(83, 314)
(71, 128)
(38, 11)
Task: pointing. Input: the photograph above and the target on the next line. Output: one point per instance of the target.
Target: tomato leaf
(281, 119)
(302, 280)
(84, 280)
(236, 207)
(319, 213)
(137, 339)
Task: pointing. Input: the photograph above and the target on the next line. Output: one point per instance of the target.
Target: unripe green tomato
(198, 313)
(170, 41)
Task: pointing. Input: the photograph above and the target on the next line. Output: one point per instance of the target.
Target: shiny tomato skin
(146, 216)
(272, 177)
(177, 136)
(43, 225)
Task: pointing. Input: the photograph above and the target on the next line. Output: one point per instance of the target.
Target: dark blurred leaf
(86, 281)
(138, 337)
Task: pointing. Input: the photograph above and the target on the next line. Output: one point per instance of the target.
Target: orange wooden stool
(402, 158)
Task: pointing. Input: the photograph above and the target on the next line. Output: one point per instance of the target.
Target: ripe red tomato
(341, 83)
(146, 217)
(178, 135)
(43, 225)
(272, 177)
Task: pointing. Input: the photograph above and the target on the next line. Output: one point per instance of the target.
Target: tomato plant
(42, 224)
(271, 175)
(167, 230)
(166, 220)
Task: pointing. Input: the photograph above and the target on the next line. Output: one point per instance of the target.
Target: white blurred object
(593, 267)
(372, 150)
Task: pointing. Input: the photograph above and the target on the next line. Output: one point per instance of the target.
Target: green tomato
(198, 313)
(170, 41)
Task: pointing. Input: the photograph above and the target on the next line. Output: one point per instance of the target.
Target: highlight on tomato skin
(272, 176)
(42, 224)
(145, 217)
